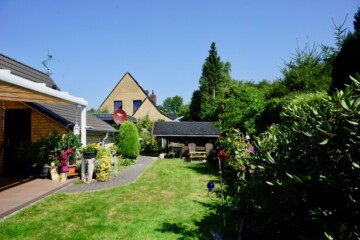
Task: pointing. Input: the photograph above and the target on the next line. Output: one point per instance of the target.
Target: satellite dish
(119, 116)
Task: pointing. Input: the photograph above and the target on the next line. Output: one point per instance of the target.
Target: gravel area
(127, 176)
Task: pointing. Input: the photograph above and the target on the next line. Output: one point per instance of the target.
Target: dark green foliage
(195, 106)
(184, 112)
(307, 71)
(270, 114)
(128, 142)
(37, 154)
(347, 61)
(172, 105)
(212, 71)
(305, 182)
(241, 105)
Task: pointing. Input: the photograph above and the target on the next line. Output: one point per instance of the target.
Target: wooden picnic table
(198, 155)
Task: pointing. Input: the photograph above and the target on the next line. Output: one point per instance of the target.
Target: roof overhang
(15, 88)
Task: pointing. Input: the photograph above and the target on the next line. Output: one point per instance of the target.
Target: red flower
(223, 155)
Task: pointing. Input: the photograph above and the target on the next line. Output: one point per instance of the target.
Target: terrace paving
(15, 198)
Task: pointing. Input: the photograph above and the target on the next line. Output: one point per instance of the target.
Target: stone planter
(90, 169)
(63, 176)
(54, 174)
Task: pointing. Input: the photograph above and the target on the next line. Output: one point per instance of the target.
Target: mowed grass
(169, 201)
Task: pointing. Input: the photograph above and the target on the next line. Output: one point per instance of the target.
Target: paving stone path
(128, 175)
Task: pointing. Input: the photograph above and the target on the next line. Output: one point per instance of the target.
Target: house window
(136, 105)
(117, 105)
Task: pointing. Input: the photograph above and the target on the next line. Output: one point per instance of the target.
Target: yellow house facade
(129, 96)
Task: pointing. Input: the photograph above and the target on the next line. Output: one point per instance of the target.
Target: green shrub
(303, 180)
(149, 144)
(128, 142)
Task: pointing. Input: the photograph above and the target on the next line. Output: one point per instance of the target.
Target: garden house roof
(185, 129)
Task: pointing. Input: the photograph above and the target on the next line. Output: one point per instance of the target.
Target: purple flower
(250, 149)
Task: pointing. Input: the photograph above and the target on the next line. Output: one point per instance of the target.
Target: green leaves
(324, 142)
(270, 158)
(294, 177)
(312, 157)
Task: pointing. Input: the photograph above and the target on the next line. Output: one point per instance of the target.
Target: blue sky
(162, 43)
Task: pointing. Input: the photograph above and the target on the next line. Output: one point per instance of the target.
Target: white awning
(15, 88)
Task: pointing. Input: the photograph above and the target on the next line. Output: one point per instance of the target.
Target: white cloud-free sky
(162, 43)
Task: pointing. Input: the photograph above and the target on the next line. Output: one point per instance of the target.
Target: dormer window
(136, 105)
(117, 105)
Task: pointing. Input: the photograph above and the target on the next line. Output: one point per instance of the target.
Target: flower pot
(72, 171)
(63, 176)
(89, 155)
(64, 169)
(44, 172)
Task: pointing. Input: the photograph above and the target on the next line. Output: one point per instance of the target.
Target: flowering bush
(222, 155)
(62, 158)
(103, 165)
(238, 155)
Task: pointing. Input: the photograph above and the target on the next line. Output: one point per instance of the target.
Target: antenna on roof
(46, 62)
(178, 119)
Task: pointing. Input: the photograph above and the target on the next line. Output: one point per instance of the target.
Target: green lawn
(169, 201)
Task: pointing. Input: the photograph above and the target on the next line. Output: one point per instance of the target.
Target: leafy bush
(128, 142)
(303, 180)
(148, 143)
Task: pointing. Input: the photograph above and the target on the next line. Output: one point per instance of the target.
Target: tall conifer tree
(215, 74)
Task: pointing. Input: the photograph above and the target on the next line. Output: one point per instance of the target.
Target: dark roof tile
(196, 129)
(26, 72)
(108, 117)
(69, 115)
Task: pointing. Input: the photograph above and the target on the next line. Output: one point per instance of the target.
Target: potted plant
(57, 149)
(89, 151)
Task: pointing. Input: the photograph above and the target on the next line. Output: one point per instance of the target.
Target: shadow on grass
(212, 168)
(202, 231)
(203, 168)
(210, 226)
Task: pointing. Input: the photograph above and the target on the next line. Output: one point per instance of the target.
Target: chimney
(152, 97)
